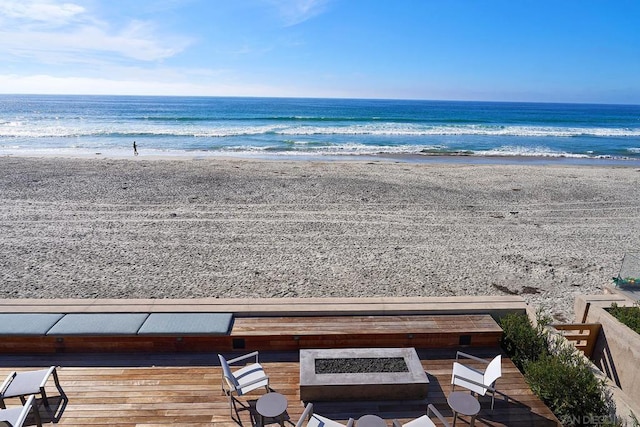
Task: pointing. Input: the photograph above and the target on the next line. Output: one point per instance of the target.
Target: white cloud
(67, 33)
(44, 12)
(156, 83)
(294, 12)
(79, 45)
(43, 84)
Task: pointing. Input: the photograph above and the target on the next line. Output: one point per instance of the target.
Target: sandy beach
(189, 228)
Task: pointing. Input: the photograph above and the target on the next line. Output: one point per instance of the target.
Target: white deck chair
(15, 417)
(477, 381)
(315, 420)
(23, 384)
(425, 420)
(243, 380)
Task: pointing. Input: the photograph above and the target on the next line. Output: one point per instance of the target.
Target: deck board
(328, 325)
(326, 306)
(420, 331)
(144, 390)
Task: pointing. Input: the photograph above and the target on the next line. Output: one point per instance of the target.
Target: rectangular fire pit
(408, 382)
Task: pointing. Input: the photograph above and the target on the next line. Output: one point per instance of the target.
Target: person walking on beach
(135, 149)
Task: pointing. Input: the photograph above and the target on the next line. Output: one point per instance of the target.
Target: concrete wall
(617, 351)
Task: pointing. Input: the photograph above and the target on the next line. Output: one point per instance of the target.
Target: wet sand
(188, 228)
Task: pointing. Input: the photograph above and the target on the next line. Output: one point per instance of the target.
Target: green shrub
(629, 316)
(556, 373)
(521, 341)
(566, 384)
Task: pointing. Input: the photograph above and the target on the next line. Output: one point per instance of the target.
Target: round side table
(271, 405)
(370, 421)
(465, 404)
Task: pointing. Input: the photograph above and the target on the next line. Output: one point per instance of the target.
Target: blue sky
(501, 50)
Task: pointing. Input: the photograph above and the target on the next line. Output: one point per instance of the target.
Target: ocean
(316, 128)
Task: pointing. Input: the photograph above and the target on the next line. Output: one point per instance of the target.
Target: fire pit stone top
(412, 382)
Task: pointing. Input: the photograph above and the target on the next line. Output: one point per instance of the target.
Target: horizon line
(323, 98)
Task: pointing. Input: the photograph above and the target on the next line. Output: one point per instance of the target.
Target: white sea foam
(23, 130)
(336, 149)
(414, 130)
(539, 151)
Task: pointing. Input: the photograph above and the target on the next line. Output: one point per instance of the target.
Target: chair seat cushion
(320, 421)
(12, 415)
(423, 421)
(25, 383)
(99, 324)
(248, 374)
(461, 372)
(187, 324)
(27, 323)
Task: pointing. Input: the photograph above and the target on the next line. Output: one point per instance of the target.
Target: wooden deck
(160, 389)
(136, 381)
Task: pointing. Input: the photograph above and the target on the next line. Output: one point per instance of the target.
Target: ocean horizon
(79, 125)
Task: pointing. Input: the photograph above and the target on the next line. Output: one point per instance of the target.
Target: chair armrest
(308, 410)
(431, 408)
(488, 387)
(246, 356)
(25, 410)
(7, 382)
(46, 377)
(396, 423)
(469, 356)
(350, 422)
